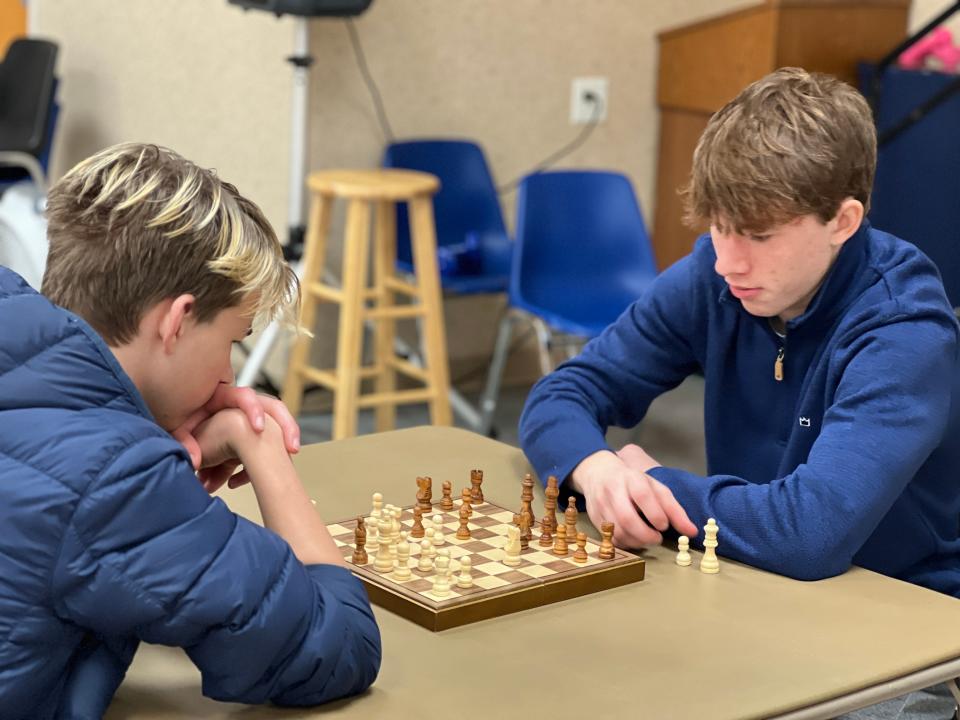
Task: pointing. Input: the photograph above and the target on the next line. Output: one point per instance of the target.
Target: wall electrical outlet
(585, 95)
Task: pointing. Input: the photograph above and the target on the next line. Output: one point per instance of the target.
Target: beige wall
(209, 80)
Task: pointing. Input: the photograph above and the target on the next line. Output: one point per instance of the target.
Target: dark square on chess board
(541, 577)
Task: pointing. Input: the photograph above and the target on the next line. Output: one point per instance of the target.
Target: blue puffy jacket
(107, 538)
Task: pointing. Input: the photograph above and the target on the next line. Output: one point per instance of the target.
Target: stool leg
(313, 262)
(350, 334)
(385, 244)
(423, 236)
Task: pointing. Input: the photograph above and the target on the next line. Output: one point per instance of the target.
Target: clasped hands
(210, 434)
(617, 488)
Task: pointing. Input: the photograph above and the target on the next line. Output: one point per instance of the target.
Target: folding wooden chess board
(541, 577)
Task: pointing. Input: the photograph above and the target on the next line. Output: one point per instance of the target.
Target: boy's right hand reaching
(617, 490)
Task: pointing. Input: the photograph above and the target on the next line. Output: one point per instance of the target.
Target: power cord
(368, 79)
(552, 159)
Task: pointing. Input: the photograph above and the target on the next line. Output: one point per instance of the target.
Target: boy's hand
(618, 490)
(256, 407)
(222, 439)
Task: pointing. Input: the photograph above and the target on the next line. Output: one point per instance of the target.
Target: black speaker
(306, 8)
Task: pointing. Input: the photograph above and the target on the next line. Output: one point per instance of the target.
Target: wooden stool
(377, 190)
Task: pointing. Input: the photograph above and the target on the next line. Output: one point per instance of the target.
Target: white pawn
(511, 551)
(709, 563)
(438, 538)
(425, 564)
(403, 559)
(465, 579)
(683, 554)
(372, 526)
(429, 533)
(441, 581)
(377, 505)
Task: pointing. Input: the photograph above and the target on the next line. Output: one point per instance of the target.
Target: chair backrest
(467, 202)
(27, 86)
(580, 239)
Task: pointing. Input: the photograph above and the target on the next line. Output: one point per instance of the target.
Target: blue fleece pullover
(108, 539)
(848, 459)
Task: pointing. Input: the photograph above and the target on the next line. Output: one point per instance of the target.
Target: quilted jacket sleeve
(149, 554)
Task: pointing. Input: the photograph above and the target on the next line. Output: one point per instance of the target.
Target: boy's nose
(732, 258)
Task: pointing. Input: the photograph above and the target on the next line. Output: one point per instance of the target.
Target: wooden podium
(704, 65)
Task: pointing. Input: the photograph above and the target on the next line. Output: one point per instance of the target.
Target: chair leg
(385, 240)
(544, 337)
(350, 333)
(488, 401)
(313, 262)
(423, 235)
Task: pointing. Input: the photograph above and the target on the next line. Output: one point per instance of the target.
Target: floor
(672, 432)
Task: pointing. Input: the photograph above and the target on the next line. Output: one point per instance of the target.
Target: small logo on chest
(804, 421)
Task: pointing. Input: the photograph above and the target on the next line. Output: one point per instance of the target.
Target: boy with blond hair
(156, 267)
(828, 349)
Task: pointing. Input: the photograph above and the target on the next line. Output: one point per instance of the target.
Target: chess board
(541, 577)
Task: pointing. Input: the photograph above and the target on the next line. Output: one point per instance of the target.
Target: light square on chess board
(541, 577)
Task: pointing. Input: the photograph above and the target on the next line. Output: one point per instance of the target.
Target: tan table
(679, 644)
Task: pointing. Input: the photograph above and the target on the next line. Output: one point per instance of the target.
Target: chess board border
(623, 569)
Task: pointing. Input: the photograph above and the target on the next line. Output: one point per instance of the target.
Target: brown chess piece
(465, 497)
(425, 494)
(552, 492)
(546, 535)
(526, 506)
(606, 544)
(463, 532)
(360, 537)
(446, 501)
(417, 530)
(580, 554)
(570, 517)
(560, 544)
(476, 492)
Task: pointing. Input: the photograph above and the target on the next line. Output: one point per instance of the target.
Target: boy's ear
(847, 220)
(173, 319)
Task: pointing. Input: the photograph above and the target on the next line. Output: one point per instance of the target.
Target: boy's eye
(759, 237)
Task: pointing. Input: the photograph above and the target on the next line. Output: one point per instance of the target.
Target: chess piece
(476, 492)
(465, 579)
(546, 536)
(683, 551)
(511, 551)
(466, 500)
(550, 507)
(441, 581)
(446, 502)
(360, 538)
(709, 563)
(522, 521)
(606, 543)
(425, 493)
(560, 544)
(377, 505)
(463, 532)
(570, 518)
(580, 554)
(372, 525)
(403, 559)
(384, 561)
(526, 508)
(417, 529)
(428, 535)
(438, 538)
(426, 563)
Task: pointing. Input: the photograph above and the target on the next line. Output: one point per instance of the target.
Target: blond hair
(136, 224)
(791, 144)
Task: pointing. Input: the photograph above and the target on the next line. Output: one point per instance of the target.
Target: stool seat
(373, 195)
(379, 184)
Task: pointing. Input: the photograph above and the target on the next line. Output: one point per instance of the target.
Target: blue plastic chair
(582, 256)
(473, 248)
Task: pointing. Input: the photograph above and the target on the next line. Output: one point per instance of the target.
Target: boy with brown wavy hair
(156, 267)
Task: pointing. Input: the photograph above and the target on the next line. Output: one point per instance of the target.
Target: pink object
(948, 56)
(914, 57)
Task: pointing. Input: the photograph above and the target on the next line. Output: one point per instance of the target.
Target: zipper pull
(778, 365)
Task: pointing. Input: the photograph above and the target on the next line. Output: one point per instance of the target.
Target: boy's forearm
(284, 504)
